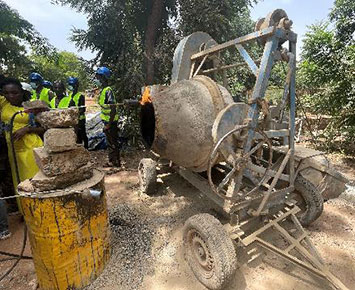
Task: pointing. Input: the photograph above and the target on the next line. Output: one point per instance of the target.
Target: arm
(82, 104)
(20, 133)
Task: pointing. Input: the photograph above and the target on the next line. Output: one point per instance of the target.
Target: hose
(17, 257)
(14, 255)
(20, 256)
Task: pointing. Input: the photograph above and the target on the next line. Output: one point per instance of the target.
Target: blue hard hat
(72, 81)
(104, 71)
(36, 77)
(47, 84)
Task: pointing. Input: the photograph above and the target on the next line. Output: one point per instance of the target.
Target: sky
(302, 12)
(55, 22)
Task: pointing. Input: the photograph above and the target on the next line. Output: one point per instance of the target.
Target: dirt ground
(147, 239)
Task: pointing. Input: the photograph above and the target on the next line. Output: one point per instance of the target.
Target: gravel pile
(132, 238)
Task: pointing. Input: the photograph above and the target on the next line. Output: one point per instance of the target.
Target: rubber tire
(313, 199)
(147, 174)
(220, 246)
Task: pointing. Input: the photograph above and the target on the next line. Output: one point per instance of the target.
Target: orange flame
(146, 98)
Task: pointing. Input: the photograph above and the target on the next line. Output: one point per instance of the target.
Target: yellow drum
(69, 234)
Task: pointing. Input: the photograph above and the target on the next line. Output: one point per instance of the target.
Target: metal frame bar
(228, 66)
(248, 59)
(314, 263)
(240, 40)
(292, 122)
(273, 183)
(200, 66)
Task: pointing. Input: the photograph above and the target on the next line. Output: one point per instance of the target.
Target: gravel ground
(147, 250)
(132, 236)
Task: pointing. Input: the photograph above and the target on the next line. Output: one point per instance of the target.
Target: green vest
(106, 109)
(43, 96)
(76, 98)
(63, 103)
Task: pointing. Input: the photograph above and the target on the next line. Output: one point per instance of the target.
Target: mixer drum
(177, 125)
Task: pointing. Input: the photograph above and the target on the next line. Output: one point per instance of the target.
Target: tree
(343, 14)
(64, 65)
(326, 73)
(15, 34)
(137, 38)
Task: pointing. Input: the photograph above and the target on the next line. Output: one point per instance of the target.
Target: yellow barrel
(69, 234)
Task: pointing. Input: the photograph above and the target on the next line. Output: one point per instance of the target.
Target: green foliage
(343, 14)
(15, 35)
(64, 65)
(326, 75)
(223, 20)
(117, 31)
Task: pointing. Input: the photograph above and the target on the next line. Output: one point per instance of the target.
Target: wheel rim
(200, 254)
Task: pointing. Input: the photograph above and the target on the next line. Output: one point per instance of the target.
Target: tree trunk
(154, 22)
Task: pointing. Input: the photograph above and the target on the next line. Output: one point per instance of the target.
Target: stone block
(53, 164)
(58, 118)
(26, 186)
(60, 140)
(41, 182)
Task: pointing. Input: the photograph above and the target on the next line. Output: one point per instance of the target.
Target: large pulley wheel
(147, 174)
(238, 162)
(209, 251)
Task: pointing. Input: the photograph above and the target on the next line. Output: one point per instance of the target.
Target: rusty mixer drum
(183, 115)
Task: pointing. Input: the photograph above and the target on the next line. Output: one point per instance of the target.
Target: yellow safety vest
(63, 103)
(76, 98)
(43, 96)
(106, 109)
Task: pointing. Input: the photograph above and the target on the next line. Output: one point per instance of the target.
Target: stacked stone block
(61, 161)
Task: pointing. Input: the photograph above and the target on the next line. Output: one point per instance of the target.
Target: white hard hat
(26, 87)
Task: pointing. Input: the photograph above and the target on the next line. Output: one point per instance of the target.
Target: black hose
(15, 255)
(19, 257)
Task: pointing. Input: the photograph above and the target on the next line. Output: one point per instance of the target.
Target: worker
(48, 85)
(25, 132)
(40, 92)
(61, 99)
(27, 90)
(79, 101)
(108, 115)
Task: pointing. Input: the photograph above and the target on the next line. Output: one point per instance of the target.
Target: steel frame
(314, 263)
(262, 69)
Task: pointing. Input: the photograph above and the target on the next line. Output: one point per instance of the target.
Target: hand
(20, 133)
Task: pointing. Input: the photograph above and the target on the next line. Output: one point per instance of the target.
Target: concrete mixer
(240, 155)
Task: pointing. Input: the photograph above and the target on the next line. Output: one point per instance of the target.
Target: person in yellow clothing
(26, 133)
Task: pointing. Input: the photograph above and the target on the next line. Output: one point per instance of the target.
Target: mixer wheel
(147, 173)
(312, 201)
(209, 251)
